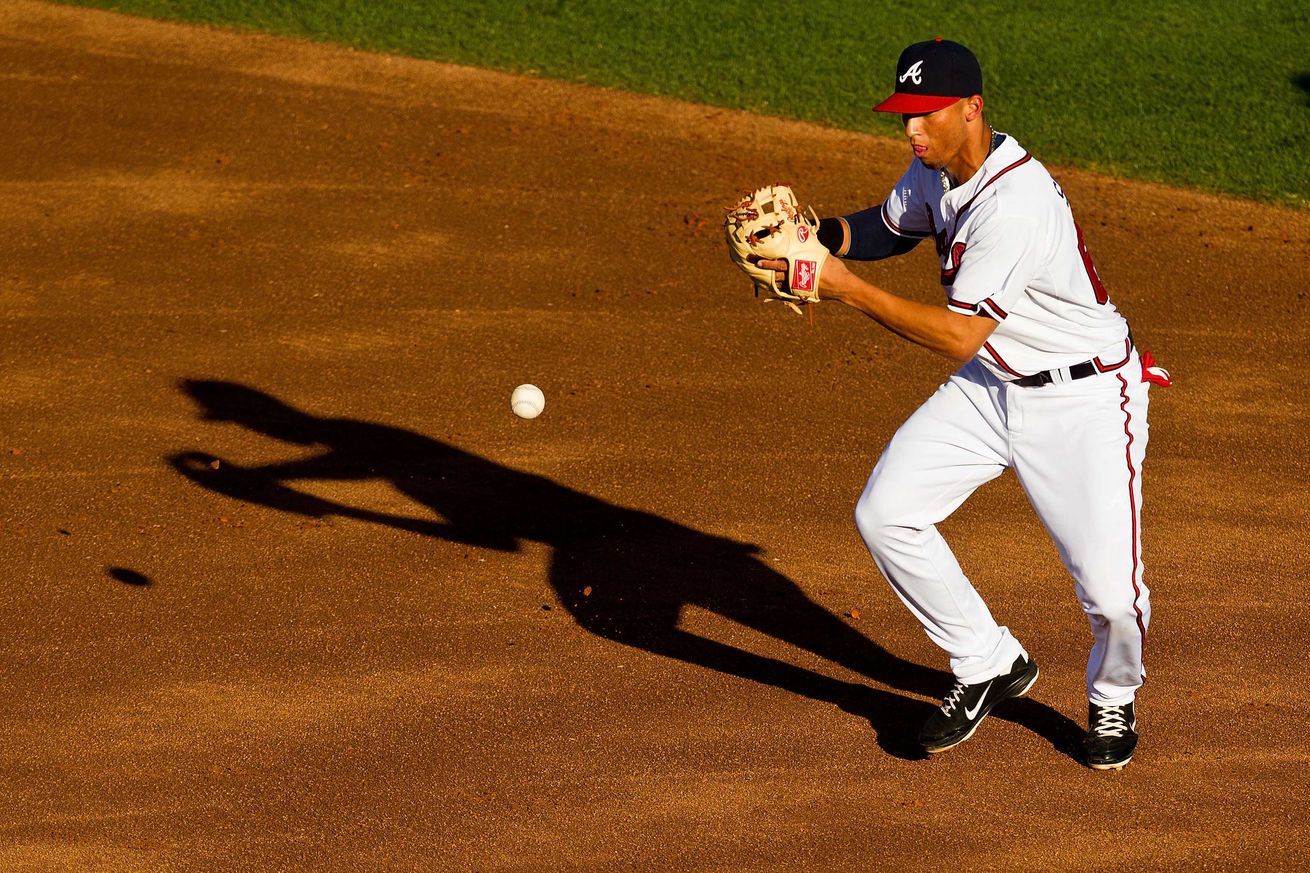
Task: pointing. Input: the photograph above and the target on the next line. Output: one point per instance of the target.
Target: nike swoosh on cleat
(969, 714)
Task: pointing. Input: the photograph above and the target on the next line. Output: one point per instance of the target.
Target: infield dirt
(290, 587)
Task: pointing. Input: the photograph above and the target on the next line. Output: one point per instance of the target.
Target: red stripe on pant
(1132, 501)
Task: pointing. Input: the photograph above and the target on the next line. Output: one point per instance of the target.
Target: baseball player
(1051, 387)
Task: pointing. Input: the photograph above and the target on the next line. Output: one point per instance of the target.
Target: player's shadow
(1302, 81)
(642, 571)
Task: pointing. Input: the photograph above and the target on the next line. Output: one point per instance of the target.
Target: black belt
(1077, 371)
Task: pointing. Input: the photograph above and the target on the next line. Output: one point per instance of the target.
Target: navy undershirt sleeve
(830, 234)
(870, 238)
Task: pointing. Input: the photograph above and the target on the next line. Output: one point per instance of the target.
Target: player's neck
(966, 164)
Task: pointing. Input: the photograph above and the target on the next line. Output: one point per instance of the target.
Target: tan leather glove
(767, 224)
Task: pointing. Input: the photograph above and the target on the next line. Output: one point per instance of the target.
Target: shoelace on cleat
(952, 699)
(1110, 722)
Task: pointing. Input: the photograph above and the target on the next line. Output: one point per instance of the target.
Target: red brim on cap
(914, 103)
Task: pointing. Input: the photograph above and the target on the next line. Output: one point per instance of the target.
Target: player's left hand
(830, 277)
(767, 225)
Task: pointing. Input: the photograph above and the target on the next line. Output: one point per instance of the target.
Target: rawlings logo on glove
(767, 225)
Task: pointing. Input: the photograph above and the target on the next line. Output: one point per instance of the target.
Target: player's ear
(973, 107)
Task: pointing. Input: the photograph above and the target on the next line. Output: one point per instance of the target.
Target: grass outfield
(1203, 93)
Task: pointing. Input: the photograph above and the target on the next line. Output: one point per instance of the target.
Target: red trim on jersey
(965, 306)
(959, 213)
(896, 228)
(1004, 366)
(1019, 163)
(998, 310)
(1103, 367)
(1132, 502)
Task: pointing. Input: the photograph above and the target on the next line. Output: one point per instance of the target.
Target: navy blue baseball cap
(932, 75)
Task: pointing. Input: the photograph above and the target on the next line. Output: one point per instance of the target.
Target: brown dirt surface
(289, 587)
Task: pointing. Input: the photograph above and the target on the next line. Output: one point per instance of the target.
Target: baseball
(527, 401)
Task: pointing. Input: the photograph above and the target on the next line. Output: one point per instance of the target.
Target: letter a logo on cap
(932, 75)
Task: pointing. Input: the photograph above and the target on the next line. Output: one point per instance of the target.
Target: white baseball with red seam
(527, 401)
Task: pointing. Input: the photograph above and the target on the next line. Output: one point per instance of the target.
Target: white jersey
(1010, 250)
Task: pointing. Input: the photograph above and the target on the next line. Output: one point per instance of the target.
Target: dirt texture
(289, 587)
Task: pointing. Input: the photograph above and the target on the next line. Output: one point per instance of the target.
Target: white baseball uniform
(1010, 251)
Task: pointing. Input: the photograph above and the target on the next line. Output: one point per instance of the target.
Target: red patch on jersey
(803, 278)
(802, 233)
(948, 272)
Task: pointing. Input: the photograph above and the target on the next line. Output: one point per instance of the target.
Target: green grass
(1207, 93)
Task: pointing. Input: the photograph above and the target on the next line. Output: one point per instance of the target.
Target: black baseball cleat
(967, 705)
(1111, 736)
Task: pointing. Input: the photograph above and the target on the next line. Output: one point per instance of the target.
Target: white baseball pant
(1077, 449)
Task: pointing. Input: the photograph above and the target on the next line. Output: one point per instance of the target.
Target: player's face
(937, 137)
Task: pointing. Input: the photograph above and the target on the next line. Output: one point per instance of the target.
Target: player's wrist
(835, 282)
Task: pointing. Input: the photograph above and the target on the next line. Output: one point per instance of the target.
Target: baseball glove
(768, 225)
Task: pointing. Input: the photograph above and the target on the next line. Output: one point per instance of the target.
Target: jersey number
(1102, 296)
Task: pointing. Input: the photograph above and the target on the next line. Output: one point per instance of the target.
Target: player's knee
(1118, 614)
(877, 517)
